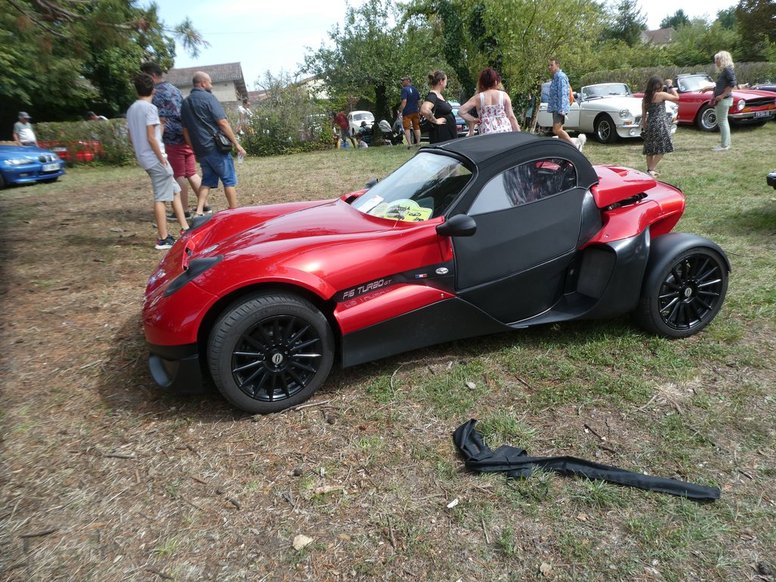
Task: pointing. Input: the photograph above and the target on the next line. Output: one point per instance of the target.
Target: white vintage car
(607, 110)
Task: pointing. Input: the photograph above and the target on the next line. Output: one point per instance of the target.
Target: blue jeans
(722, 107)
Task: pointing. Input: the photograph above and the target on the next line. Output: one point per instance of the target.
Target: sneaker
(206, 209)
(720, 148)
(172, 218)
(165, 243)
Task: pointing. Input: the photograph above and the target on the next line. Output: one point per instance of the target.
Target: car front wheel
(270, 351)
(707, 118)
(686, 295)
(605, 130)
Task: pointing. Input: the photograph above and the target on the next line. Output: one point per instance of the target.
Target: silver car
(607, 110)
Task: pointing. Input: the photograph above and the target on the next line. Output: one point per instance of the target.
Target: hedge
(107, 140)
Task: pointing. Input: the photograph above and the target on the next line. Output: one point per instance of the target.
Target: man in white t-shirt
(22, 130)
(145, 135)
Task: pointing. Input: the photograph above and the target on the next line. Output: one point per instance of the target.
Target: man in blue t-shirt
(410, 110)
(202, 115)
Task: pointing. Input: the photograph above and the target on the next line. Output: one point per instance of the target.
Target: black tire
(686, 295)
(707, 119)
(605, 129)
(269, 352)
(2, 182)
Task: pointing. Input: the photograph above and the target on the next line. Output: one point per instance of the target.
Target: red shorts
(182, 160)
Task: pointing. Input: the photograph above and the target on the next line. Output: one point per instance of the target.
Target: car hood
(14, 151)
(310, 225)
(749, 94)
(632, 104)
(324, 246)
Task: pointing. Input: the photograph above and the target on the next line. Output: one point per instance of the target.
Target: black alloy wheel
(690, 294)
(270, 352)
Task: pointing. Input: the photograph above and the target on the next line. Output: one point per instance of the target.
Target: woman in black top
(437, 111)
(723, 98)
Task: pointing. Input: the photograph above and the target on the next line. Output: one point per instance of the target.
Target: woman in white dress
(493, 106)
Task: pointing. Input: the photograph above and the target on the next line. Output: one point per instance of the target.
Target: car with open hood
(469, 237)
(606, 110)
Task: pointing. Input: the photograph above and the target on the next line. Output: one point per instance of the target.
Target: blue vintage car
(25, 164)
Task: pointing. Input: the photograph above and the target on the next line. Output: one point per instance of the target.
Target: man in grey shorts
(559, 102)
(145, 135)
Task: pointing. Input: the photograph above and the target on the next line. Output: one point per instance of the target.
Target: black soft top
(483, 150)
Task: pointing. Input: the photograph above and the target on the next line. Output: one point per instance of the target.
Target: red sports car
(474, 236)
(750, 106)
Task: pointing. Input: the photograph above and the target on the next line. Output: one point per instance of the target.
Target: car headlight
(740, 105)
(624, 113)
(16, 161)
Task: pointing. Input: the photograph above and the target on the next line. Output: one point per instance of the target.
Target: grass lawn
(103, 477)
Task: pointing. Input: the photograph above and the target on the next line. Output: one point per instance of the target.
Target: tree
(626, 23)
(699, 41)
(60, 57)
(516, 37)
(756, 23)
(370, 54)
(677, 20)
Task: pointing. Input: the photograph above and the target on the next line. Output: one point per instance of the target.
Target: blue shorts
(215, 166)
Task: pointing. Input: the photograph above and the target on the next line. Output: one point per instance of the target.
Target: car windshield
(695, 83)
(422, 188)
(363, 117)
(605, 90)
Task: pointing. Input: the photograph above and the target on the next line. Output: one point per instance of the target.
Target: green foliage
(370, 54)
(756, 23)
(288, 121)
(114, 145)
(626, 23)
(678, 19)
(699, 41)
(62, 57)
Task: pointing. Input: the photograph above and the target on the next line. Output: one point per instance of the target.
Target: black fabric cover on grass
(515, 463)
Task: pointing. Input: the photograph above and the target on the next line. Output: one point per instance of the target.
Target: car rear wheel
(686, 296)
(605, 130)
(270, 351)
(707, 118)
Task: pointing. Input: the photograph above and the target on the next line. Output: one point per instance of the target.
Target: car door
(572, 118)
(528, 224)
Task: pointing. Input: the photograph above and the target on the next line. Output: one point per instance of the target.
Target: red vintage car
(80, 151)
(696, 90)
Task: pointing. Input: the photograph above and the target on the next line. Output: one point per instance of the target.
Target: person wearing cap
(410, 110)
(22, 130)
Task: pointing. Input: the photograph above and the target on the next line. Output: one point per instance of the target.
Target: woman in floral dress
(656, 123)
(494, 108)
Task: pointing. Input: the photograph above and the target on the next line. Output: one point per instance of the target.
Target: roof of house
(223, 73)
(659, 36)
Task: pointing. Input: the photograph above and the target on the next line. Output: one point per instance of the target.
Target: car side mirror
(458, 225)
